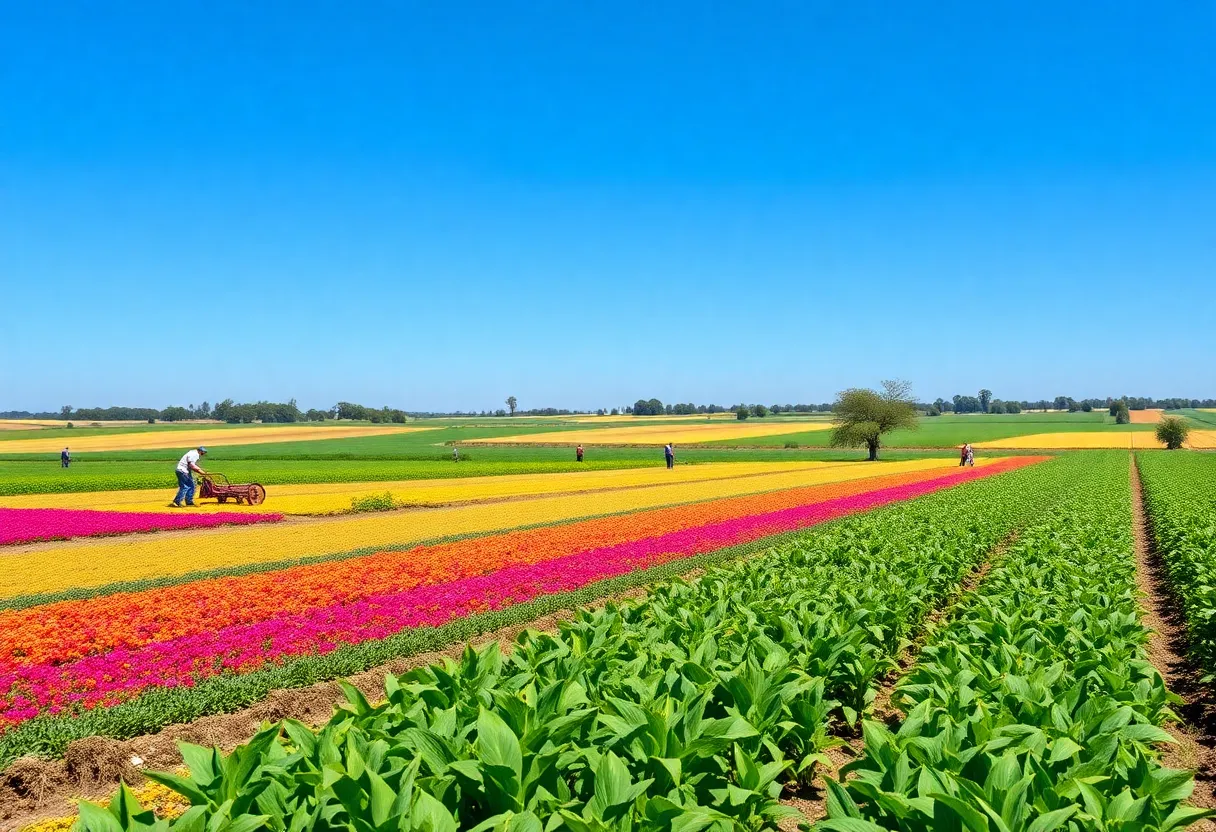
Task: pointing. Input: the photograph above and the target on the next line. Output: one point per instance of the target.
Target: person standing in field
(669, 453)
(65, 458)
(962, 455)
(187, 466)
(455, 454)
(578, 453)
(970, 456)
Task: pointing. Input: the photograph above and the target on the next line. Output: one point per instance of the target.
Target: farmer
(962, 455)
(186, 467)
(970, 455)
(669, 453)
(65, 458)
(578, 453)
(455, 454)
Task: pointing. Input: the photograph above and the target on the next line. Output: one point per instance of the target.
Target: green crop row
(1180, 495)
(1034, 707)
(686, 710)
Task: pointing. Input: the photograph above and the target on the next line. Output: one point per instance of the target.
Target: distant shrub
(792, 445)
(742, 413)
(375, 502)
(759, 411)
(1172, 432)
(151, 421)
(71, 425)
(933, 410)
(1086, 407)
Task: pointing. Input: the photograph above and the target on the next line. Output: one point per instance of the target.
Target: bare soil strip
(812, 800)
(34, 789)
(1167, 650)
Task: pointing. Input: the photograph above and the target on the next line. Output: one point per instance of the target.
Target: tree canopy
(862, 416)
(1172, 432)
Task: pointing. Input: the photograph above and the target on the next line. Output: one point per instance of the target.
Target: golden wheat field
(659, 434)
(149, 440)
(1075, 440)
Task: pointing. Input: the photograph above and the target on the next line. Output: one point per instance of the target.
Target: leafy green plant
(1035, 706)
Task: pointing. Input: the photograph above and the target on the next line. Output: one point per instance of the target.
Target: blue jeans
(185, 488)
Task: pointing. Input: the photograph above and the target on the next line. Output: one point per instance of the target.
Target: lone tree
(1172, 432)
(985, 400)
(512, 402)
(862, 416)
(1122, 417)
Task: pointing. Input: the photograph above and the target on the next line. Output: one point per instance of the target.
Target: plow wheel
(256, 494)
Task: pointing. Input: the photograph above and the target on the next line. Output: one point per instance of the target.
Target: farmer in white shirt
(186, 466)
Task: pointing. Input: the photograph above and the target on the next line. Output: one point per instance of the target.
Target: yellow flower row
(90, 563)
(328, 498)
(163, 801)
(650, 434)
(1077, 439)
(184, 439)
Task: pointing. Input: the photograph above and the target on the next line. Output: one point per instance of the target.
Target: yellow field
(626, 419)
(144, 440)
(1074, 440)
(1145, 417)
(645, 434)
(1202, 440)
(92, 563)
(328, 498)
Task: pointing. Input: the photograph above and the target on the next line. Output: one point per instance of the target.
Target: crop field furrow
(1034, 707)
(1180, 497)
(695, 703)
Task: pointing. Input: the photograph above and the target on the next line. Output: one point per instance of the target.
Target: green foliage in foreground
(686, 710)
(1034, 708)
(1180, 494)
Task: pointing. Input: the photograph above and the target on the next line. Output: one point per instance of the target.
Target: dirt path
(1196, 735)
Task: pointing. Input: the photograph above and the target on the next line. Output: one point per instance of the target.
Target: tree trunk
(873, 450)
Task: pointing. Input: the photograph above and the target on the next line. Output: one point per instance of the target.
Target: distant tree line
(263, 411)
(654, 407)
(984, 403)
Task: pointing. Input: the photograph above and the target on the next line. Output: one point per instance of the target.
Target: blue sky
(438, 205)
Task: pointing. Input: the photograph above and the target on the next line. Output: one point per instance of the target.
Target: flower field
(332, 497)
(29, 525)
(87, 564)
(647, 434)
(1032, 707)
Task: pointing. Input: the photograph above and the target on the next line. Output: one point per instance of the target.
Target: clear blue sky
(436, 205)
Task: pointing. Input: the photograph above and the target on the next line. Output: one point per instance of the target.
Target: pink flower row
(28, 525)
(119, 675)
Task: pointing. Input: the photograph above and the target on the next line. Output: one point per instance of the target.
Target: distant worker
(578, 453)
(65, 458)
(669, 453)
(962, 455)
(186, 468)
(455, 454)
(970, 455)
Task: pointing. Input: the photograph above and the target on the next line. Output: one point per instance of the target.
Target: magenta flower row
(120, 675)
(29, 525)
